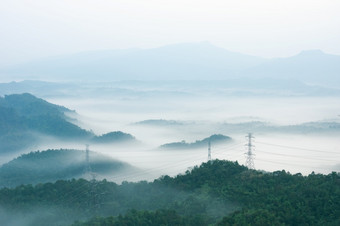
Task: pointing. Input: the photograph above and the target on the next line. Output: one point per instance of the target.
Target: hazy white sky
(269, 28)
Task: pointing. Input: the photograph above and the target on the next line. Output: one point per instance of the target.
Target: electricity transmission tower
(249, 154)
(88, 170)
(87, 159)
(93, 200)
(209, 150)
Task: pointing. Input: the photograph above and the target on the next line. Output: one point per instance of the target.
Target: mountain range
(173, 89)
(256, 126)
(187, 61)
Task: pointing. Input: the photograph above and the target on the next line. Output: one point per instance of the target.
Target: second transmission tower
(249, 154)
(209, 150)
(88, 170)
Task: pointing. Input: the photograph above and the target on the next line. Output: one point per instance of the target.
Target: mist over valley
(178, 113)
(148, 115)
(178, 147)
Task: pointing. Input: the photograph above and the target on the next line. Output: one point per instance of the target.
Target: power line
(183, 162)
(295, 156)
(298, 148)
(290, 164)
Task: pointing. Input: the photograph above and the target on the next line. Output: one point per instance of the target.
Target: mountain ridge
(216, 139)
(24, 118)
(52, 165)
(310, 66)
(184, 61)
(172, 61)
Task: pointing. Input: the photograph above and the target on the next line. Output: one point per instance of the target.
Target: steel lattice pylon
(249, 154)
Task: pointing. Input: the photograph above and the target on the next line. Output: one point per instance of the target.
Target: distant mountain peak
(312, 52)
(190, 46)
(206, 42)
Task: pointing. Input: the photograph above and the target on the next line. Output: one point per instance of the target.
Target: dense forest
(217, 192)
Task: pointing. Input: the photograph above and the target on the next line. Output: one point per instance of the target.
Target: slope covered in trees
(216, 139)
(52, 165)
(24, 117)
(114, 137)
(156, 218)
(25, 112)
(217, 192)
(277, 197)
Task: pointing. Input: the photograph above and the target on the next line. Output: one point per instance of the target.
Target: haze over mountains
(118, 113)
(313, 66)
(163, 89)
(51, 165)
(24, 119)
(188, 61)
(194, 90)
(216, 139)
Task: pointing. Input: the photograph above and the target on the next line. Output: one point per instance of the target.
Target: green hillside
(113, 137)
(216, 139)
(28, 105)
(215, 193)
(52, 165)
(24, 117)
(23, 112)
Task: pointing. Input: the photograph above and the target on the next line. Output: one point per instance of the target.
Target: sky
(33, 29)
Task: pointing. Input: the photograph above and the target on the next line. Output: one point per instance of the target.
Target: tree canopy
(217, 192)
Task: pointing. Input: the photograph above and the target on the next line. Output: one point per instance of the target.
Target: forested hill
(114, 137)
(52, 165)
(276, 198)
(28, 105)
(215, 193)
(24, 117)
(22, 112)
(216, 139)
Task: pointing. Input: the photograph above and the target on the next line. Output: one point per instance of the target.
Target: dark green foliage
(217, 192)
(145, 218)
(83, 199)
(278, 197)
(255, 217)
(216, 139)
